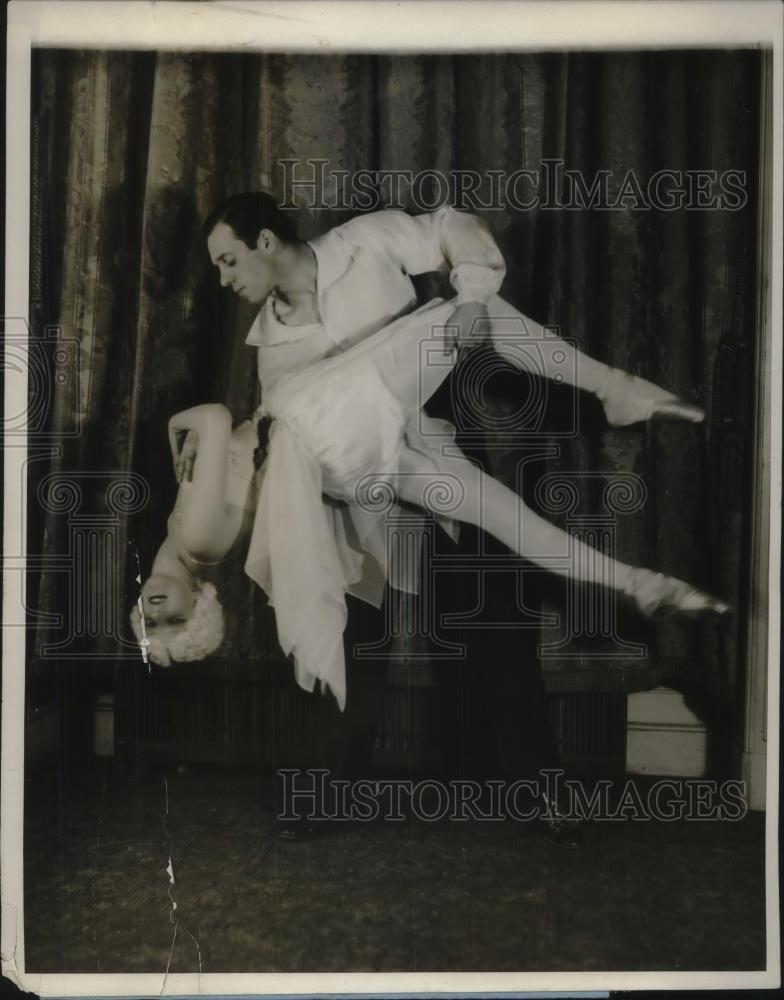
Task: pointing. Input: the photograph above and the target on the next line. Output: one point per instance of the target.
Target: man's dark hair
(247, 214)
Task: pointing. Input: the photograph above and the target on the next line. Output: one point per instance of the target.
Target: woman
(352, 427)
(178, 615)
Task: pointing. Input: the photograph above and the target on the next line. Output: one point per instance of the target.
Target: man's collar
(266, 331)
(255, 336)
(333, 259)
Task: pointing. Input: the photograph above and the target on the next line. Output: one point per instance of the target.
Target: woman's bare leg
(626, 398)
(482, 500)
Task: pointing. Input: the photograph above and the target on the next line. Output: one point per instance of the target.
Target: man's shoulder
(394, 223)
(371, 224)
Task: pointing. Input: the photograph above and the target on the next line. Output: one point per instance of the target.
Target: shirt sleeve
(446, 240)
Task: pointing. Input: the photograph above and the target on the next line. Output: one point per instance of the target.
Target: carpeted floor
(408, 896)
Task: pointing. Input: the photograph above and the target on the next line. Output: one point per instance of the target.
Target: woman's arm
(204, 525)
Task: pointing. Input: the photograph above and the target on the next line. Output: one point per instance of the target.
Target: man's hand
(467, 326)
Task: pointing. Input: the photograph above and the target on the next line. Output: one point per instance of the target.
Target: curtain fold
(132, 150)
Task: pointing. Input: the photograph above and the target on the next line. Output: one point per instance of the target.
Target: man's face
(247, 272)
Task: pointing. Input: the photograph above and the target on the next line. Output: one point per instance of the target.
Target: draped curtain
(132, 149)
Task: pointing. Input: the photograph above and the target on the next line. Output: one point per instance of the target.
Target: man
(320, 298)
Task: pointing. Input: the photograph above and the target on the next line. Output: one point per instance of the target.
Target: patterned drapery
(132, 149)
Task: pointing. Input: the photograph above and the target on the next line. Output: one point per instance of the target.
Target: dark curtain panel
(130, 152)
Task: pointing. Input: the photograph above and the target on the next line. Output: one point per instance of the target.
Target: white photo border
(337, 26)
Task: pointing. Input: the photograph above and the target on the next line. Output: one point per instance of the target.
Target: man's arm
(446, 240)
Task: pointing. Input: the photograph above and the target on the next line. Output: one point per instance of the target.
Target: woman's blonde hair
(199, 636)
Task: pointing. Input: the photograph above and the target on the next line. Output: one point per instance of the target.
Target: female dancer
(348, 440)
(178, 616)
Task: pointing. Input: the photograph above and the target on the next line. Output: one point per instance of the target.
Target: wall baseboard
(753, 773)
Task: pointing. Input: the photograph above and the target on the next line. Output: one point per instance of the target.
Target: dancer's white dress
(338, 430)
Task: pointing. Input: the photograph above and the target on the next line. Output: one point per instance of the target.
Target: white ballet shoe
(655, 592)
(628, 399)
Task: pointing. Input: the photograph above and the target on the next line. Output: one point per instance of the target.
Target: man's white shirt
(363, 283)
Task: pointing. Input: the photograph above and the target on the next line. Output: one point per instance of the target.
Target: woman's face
(166, 601)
